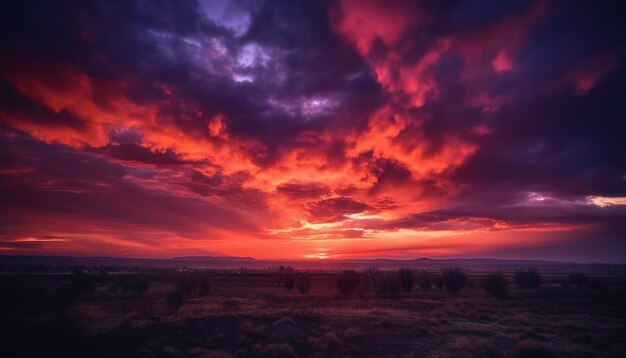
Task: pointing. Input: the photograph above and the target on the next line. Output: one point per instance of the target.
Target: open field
(251, 314)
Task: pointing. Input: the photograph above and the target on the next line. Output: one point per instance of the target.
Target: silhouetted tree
(438, 281)
(596, 284)
(424, 280)
(407, 279)
(290, 281)
(347, 281)
(455, 279)
(140, 284)
(303, 285)
(496, 284)
(371, 276)
(203, 286)
(388, 284)
(229, 306)
(527, 278)
(175, 299)
(103, 277)
(81, 283)
(578, 279)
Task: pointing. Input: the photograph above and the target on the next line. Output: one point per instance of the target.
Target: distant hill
(193, 261)
(331, 264)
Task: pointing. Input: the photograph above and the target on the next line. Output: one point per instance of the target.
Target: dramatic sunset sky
(313, 129)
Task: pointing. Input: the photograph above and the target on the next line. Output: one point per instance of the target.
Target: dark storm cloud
(334, 209)
(303, 190)
(200, 117)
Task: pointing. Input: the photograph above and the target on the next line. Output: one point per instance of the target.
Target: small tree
(455, 279)
(578, 279)
(175, 299)
(203, 286)
(438, 281)
(347, 281)
(371, 276)
(229, 306)
(424, 280)
(496, 284)
(407, 279)
(527, 278)
(388, 285)
(290, 281)
(303, 285)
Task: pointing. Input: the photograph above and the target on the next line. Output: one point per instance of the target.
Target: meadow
(149, 312)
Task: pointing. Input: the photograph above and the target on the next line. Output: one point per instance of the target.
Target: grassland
(249, 314)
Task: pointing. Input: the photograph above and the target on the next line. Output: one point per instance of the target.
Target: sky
(313, 129)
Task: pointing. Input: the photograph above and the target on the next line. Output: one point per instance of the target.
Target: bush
(371, 276)
(290, 282)
(131, 283)
(578, 279)
(303, 285)
(203, 286)
(527, 278)
(388, 285)
(347, 281)
(596, 284)
(407, 279)
(424, 280)
(175, 299)
(81, 283)
(454, 279)
(229, 306)
(496, 284)
(438, 281)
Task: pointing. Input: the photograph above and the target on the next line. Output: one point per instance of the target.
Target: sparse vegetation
(527, 279)
(454, 279)
(496, 284)
(388, 285)
(304, 284)
(289, 281)
(439, 283)
(577, 279)
(347, 282)
(229, 313)
(424, 280)
(407, 279)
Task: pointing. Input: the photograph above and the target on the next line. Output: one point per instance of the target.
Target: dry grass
(263, 319)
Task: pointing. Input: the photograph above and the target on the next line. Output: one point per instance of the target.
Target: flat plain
(247, 313)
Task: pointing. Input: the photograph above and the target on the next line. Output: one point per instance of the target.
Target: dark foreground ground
(250, 315)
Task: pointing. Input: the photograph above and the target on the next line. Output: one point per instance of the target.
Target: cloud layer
(317, 129)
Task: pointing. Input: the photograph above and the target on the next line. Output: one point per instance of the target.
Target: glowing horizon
(344, 129)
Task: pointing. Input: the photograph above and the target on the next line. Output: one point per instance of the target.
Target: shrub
(131, 283)
(596, 284)
(455, 279)
(424, 280)
(577, 278)
(229, 306)
(438, 281)
(280, 350)
(303, 285)
(371, 276)
(407, 279)
(496, 284)
(81, 283)
(527, 278)
(388, 285)
(140, 284)
(347, 281)
(530, 349)
(175, 299)
(203, 286)
(290, 281)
